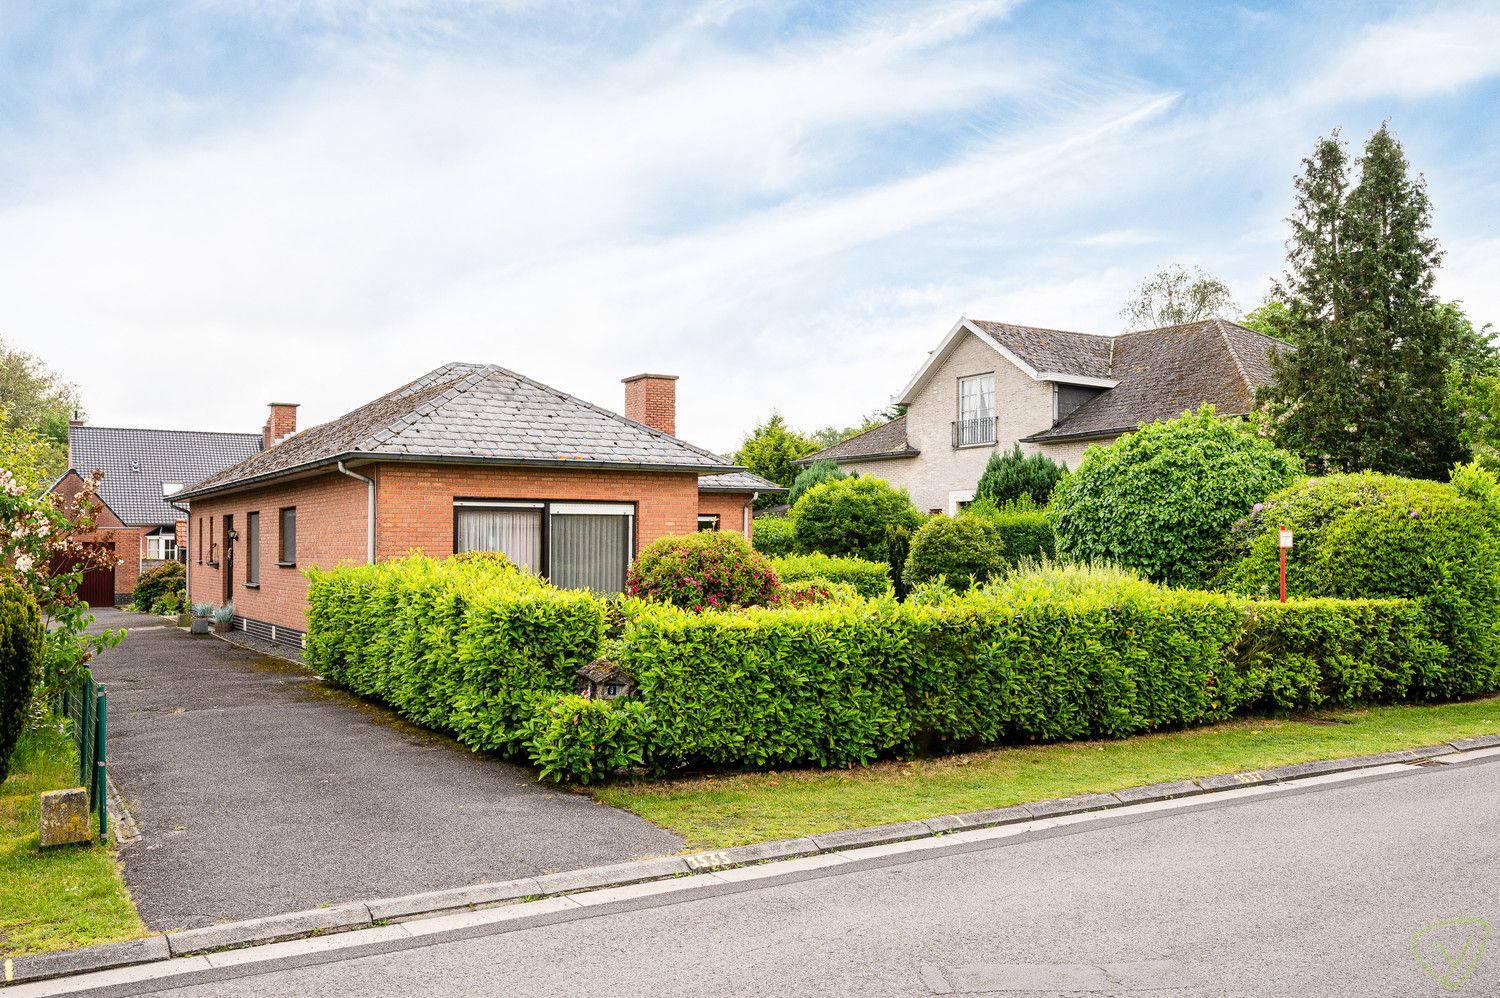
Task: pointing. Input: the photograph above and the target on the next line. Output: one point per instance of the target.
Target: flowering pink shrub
(710, 570)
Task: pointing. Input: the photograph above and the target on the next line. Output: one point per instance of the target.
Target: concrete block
(757, 852)
(457, 897)
(1227, 781)
(945, 823)
(270, 929)
(1071, 805)
(89, 958)
(65, 817)
(1300, 770)
(993, 816)
(611, 876)
(1477, 742)
(877, 835)
(1158, 791)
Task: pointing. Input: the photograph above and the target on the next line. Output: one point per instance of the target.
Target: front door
(228, 572)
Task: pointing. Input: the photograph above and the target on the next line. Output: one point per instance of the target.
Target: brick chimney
(281, 424)
(652, 399)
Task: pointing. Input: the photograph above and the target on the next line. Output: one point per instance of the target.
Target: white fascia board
(941, 354)
(1077, 379)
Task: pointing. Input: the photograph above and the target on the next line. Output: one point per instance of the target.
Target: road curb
(363, 914)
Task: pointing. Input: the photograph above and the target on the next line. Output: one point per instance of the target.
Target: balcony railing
(973, 432)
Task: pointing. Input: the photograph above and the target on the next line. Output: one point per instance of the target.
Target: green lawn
(713, 812)
(66, 897)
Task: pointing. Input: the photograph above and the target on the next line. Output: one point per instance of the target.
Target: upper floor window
(976, 411)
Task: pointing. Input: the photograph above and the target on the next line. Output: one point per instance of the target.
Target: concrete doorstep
(215, 939)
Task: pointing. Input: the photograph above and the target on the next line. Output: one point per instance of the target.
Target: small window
(708, 521)
(287, 552)
(252, 549)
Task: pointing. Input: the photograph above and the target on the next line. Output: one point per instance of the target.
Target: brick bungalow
(467, 457)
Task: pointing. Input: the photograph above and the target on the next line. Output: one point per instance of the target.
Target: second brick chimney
(281, 424)
(652, 399)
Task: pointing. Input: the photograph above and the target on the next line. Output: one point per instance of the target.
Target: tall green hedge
(869, 578)
(21, 637)
(463, 646)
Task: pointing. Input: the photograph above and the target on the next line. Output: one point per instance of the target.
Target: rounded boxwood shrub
(21, 638)
(1368, 535)
(708, 570)
(1011, 475)
(1161, 499)
(963, 550)
(849, 517)
(773, 535)
(168, 577)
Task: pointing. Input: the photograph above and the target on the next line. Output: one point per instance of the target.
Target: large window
(976, 411)
(286, 554)
(252, 549)
(577, 545)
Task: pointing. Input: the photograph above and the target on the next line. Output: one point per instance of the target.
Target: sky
(205, 207)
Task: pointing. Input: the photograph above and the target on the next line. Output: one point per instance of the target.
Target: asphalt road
(259, 789)
(1298, 892)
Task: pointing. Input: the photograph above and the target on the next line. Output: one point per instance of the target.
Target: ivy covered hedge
(490, 654)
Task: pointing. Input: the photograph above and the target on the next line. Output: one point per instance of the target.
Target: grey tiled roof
(477, 412)
(883, 441)
(737, 481)
(1165, 372)
(1054, 351)
(136, 463)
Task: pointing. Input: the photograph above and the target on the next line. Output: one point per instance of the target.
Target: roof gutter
(370, 511)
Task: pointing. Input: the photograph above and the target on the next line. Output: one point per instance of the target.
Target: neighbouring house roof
(1142, 377)
(137, 463)
(478, 413)
(737, 481)
(879, 443)
(1165, 372)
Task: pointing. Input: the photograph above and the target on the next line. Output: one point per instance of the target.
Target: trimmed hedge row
(869, 578)
(464, 646)
(490, 654)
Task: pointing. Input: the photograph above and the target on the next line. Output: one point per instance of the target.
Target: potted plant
(224, 618)
(202, 612)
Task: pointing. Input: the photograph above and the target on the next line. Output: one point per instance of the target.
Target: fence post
(101, 758)
(80, 737)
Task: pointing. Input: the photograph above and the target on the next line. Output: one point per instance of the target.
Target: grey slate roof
(737, 481)
(1165, 372)
(476, 412)
(136, 463)
(884, 441)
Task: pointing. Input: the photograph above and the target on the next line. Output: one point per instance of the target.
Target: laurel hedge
(869, 578)
(490, 654)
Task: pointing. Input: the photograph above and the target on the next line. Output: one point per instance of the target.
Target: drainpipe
(751, 505)
(370, 519)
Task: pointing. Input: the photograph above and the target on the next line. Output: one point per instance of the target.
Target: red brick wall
(652, 399)
(730, 506)
(127, 542)
(330, 530)
(415, 507)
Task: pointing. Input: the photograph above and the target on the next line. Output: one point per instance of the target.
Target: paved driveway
(260, 789)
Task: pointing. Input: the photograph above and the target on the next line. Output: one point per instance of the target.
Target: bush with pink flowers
(711, 570)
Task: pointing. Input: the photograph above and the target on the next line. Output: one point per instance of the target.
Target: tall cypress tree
(1367, 384)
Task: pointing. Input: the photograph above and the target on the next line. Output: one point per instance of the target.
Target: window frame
(252, 549)
(547, 507)
(714, 519)
(959, 421)
(282, 561)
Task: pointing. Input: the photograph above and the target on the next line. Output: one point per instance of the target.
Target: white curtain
(590, 551)
(515, 533)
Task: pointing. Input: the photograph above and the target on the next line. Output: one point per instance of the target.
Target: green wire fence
(86, 707)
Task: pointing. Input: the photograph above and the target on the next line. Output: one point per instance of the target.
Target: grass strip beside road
(64, 897)
(714, 812)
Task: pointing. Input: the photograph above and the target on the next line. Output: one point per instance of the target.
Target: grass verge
(713, 812)
(61, 898)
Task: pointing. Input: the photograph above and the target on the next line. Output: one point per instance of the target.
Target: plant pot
(223, 628)
(184, 619)
(201, 625)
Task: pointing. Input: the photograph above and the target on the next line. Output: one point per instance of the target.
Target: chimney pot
(652, 399)
(280, 424)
